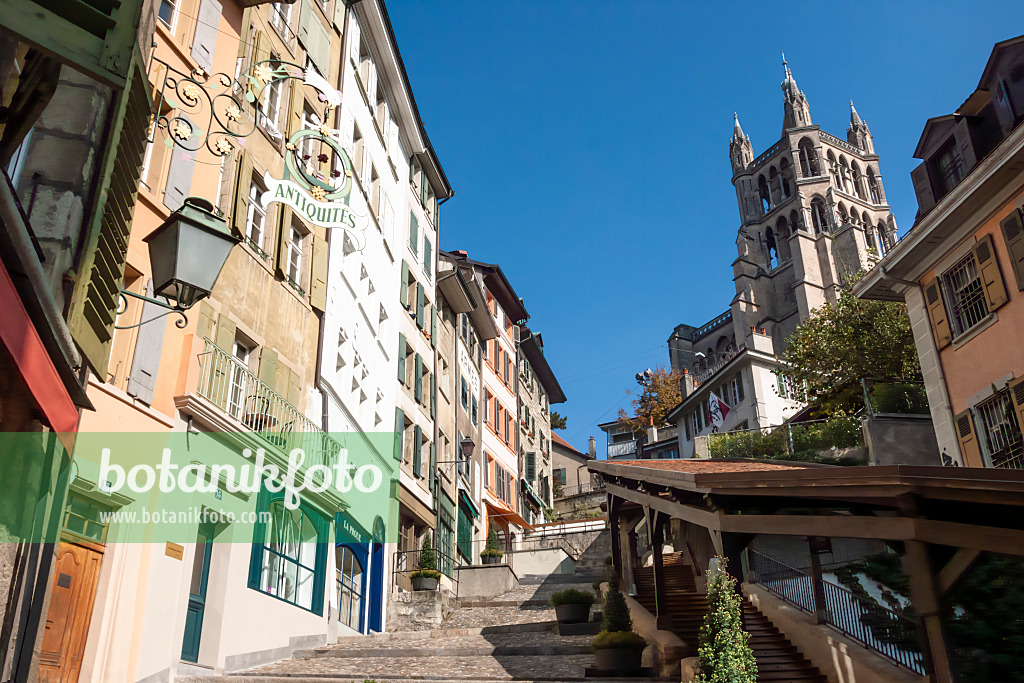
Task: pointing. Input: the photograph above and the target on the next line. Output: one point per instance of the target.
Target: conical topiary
(428, 560)
(723, 652)
(491, 549)
(616, 612)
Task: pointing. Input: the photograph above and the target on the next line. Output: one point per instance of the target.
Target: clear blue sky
(587, 143)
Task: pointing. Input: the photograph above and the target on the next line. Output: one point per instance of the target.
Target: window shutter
(260, 53)
(414, 233)
(243, 183)
(226, 334)
(433, 327)
(937, 313)
(268, 367)
(531, 466)
(207, 28)
(204, 326)
(179, 177)
(418, 386)
(294, 115)
(401, 358)
(294, 388)
(306, 20)
(403, 294)
(353, 34)
(399, 433)
(473, 412)
(347, 132)
(923, 188)
(1013, 235)
(318, 278)
(284, 233)
(428, 257)
(988, 268)
(148, 345)
(1017, 392)
(968, 439)
(417, 438)
(420, 302)
(433, 464)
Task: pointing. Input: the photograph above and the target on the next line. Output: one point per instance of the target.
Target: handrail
(876, 627)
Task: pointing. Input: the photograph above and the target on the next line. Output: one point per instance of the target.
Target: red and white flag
(717, 410)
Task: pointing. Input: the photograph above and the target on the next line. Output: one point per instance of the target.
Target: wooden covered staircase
(777, 659)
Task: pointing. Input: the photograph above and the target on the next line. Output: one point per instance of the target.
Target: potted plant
(572, 606)
(491, 554)
(427, 578)
(616, 648)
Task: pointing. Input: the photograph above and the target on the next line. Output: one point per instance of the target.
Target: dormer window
(948, 168)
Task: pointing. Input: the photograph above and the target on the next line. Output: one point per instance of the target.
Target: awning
(415, 506)
(464, 498)
(530, 493)
(507, 515)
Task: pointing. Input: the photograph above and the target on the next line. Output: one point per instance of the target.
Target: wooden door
(72, 595)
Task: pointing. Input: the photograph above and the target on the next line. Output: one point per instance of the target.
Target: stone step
(457, 651)
(549, 579)
(245, 677)
(491, 602)
(404, 636)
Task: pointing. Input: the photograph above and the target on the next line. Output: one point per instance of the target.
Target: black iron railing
(408, 561)
(887, 632)
(592, 487)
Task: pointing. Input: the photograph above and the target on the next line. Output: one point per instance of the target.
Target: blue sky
(587, 143)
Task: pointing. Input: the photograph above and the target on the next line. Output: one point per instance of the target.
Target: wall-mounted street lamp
(186, 254)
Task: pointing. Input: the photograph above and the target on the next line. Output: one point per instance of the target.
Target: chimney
(592, 447)
(652, 432)
(460, 253)
(687, 383)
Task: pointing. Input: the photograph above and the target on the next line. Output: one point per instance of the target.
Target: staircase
(777, 659)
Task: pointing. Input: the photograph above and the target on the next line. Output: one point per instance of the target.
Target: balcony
(242, 403)
(622, 449)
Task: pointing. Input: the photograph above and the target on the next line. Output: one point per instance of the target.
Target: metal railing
(895, 398)
(406, 562)
(622, 448)
(593, 487)
(836, 142)
(720, 362)
(887, 632)
(226, 382)
(809, 437)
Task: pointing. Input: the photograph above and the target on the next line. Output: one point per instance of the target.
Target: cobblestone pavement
(455, 640)
(476, 617)
(511, 667)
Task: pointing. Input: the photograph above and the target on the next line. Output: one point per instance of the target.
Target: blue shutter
(148, 345)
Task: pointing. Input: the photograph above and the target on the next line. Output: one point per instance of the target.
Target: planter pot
(425, 584)
(572, 614)
(620, 660)
(491, 559)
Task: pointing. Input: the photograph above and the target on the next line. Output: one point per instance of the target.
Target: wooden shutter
(295, 102)
(318, 275)
(433, 327)
(428, 256)
(923, 188)
(294, 388)
(1013, 235)
(306, 20)
(401, 358)
(418, 386)
(936, 314)
(204, 326)
(339, 15)
(207, 28)
(417, 439)
(433, 465)
(988, 269)
(226, 334)
(968, 439)
(104, 249)
(414, 233)
(320, 51)
(399, 433)
(433, 395)
(284, 233)
(531, 466)
(420, 302)
(243, 183)
(403, 293)
(268, 367)
(1017, 392)
(148, 345)
(353, 37)
(260, 53)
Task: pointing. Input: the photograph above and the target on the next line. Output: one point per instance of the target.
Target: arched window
(818, 216)
(843, 217)
(782, 232)
(873, 186)
(766, 197)
(844, 176)
(772, 248)
(794, 221)
(784, 172)
(883, 239)
(869, 238)
(774, 185)
(349, 583)
(289, 555)
(808, 158)
(858, 182)
(833, 167)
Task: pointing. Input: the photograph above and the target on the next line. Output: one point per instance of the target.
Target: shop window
(349, 583)
(289, 555)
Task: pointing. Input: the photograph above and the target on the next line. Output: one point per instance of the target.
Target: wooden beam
(925, 601)
(689, 513)
(954, 569)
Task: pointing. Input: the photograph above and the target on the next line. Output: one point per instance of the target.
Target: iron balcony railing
(622, 448)
(227, 383)
(593, 487)
(862, 619)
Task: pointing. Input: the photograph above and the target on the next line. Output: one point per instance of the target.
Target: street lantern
(186, 254)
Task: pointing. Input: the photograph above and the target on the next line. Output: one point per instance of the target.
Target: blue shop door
(376, 592)
(197, 594)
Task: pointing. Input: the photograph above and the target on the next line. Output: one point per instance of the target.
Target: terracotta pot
(424, 584)
(572, 614)
(620, 660)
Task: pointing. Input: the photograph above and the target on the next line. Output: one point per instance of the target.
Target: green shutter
(399, 433)
(318, 275)
(531, 466)
(433, 327)
(433, 465)
(243, 183)
(414, 233)
(403, 294)
(420, 303)
(226, 334)
(401, 358)
(418, 387)
(204, 327)
(428, 257)
(417, 439)
(433, 395)
(268, 367)
(101, 271)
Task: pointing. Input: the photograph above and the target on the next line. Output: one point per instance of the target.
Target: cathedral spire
(854, 116)
(798, 112)
(740, 150)
(737, 131)
(857, 133)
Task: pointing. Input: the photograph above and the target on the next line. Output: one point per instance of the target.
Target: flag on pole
(717, 410)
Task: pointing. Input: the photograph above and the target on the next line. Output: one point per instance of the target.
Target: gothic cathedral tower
(812, 213)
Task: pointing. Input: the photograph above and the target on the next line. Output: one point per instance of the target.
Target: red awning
(507, 515)
(20, 338)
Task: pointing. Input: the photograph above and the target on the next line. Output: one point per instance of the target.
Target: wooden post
(613, 523)
(820, 606)
(657, 541)
(733, 546)
(924, 598)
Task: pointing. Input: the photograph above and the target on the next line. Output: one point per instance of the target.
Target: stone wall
(486, 580)
(419, 610)
(900, 440)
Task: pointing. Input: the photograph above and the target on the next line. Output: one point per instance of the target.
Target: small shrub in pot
(572, 606)
(616, 648)
(427, 578)
(491, 554)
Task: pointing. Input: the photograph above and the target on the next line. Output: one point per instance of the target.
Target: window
(1000, 433)
(428, 257)
(256, 218)
(242, 352)
(289, 557)
(168, 13)
(269, 106)
(280, 18)
(964, 292)
(295, 255)
(473, 412)
(84, 519)
(465, 394)
(948, 168)
(349, 580)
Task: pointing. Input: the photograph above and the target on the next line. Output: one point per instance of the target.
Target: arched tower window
(883, 239)
(808, 158)
(873, 186)
(844, 176)
(794, 221)
(844, 218)
(869, 238)
(833, 167)
(784, 173)
(774, 186)
(782, 233)
(818, 216)
(858, 181)
(763, 192)
(772, 248)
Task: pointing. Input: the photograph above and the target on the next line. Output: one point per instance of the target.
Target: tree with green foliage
(427, 562)
(491, 549)
(841, 343)
(723, 651)
(557, 421)
(617, 625)
(659, 394)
